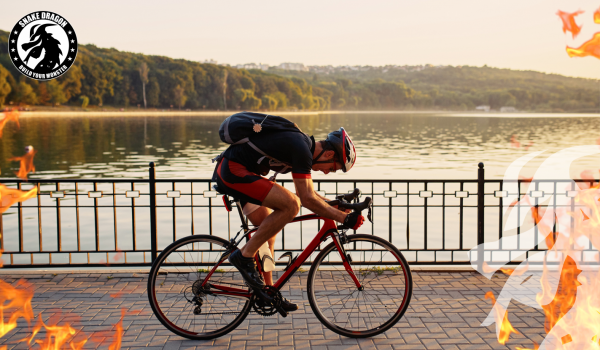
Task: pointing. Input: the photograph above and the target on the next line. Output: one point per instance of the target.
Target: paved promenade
(445, 313)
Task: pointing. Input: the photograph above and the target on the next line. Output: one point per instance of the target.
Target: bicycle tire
(188, 260)
(330, 287)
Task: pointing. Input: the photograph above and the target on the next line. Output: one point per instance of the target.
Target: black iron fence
(127, 222)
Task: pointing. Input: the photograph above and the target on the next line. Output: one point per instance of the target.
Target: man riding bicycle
(268, 204)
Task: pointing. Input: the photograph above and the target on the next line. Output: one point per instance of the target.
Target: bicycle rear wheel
(186, 300)
(341, 306)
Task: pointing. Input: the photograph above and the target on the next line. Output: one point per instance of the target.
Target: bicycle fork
(339, 240)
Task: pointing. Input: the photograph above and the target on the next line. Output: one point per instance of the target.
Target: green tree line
(102, 77)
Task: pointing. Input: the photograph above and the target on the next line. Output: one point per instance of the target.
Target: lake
(389, 146)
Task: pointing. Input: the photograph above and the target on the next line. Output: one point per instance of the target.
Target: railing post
(480, 217)
(152, 184)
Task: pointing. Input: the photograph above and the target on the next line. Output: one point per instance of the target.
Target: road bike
(358, 285)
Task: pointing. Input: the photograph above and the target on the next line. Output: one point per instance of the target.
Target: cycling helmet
(344, 148)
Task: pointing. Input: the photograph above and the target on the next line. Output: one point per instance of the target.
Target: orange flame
(10, 196)
(588, 48)
(564, 299)
(597, 16)
(13, 298)
(56, 336)
(26, 163)
(8, 116)
(506, 327)
(569, 24)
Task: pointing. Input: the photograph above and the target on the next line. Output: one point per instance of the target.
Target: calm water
(390, 146)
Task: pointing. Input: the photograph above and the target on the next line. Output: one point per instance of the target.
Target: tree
(180, 97)
(225, 74)
(84, 101)
(144, 77)
(24, 94)
(55, 92)
(5, 88)
(153, 92)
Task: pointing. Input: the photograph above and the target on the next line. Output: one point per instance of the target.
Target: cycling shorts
(235, 180)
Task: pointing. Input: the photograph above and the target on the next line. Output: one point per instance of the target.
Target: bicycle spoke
(184, 262)
(380, 301)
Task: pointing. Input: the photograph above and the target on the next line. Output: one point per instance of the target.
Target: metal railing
(127, 222)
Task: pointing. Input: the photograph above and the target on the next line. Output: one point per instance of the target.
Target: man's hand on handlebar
(354, 220)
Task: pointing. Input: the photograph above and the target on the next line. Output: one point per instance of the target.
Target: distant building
(293, 66)
(211, 61)
(483, 108)
(253, 66)
(508, 109)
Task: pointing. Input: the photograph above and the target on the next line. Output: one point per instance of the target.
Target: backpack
(239, 128)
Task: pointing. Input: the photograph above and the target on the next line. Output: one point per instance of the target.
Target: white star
(16, 59)
(16, 32)
(69, 32)
(13, 50)
(69, 58)
(12, 41)
(72, 41)
(72, 50)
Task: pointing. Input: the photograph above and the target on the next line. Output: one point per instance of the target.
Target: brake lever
(370, 207)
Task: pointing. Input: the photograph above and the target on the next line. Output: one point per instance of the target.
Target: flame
(506, 327)
(15, 298)
(56, 336)
(588, 48)
(10, 196)
(597, 16)
(8, 116)
(569, 24)
(26, 163)
(514, 142)
(564, 299)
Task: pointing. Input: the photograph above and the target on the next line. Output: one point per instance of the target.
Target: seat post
(240, 211)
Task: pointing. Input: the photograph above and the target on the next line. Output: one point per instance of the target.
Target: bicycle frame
(329, 229)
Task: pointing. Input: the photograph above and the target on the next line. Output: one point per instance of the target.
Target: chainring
(267, 307)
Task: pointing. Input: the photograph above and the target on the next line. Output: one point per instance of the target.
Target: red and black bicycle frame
(328, 230)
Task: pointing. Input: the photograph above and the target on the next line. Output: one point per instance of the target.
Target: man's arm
(313, 202)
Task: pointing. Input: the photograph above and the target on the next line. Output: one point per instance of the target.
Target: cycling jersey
(293, 148)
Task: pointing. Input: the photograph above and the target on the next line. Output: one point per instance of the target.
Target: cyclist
(270, 205)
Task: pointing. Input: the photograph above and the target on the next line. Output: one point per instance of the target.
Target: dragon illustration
(41, 41)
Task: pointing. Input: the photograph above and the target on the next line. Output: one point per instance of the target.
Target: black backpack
(240, 128)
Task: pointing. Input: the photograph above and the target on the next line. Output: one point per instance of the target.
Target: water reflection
(389, 146)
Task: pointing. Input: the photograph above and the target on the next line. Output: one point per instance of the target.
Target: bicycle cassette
(267, 306)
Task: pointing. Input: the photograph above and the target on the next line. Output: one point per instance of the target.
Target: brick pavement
(445, 313)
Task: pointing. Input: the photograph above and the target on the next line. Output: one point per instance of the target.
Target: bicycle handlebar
(342, 202)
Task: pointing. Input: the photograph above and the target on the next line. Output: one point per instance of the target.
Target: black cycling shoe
(288, 305)
(247, 268)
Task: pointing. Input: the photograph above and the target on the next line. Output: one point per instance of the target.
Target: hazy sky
(523, 34)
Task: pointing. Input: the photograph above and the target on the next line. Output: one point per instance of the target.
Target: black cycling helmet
(344, 148)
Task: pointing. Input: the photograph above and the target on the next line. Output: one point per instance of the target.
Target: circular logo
(42, 45)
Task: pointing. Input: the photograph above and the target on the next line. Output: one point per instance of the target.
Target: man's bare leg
(256, 218)
(285, 205)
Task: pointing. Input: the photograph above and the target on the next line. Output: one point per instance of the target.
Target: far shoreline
(175, 113)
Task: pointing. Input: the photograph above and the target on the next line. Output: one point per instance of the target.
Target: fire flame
(26, 163)
(13, 298)
(8, 116)
(10, 196)
(569, 24)
(506, 327)
(588, 48)
(597, 16)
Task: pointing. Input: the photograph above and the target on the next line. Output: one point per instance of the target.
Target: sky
(522, 35)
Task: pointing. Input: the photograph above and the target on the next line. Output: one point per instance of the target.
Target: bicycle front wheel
(190, 301)
(359, 313)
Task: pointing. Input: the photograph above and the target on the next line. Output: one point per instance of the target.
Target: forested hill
(103, 77)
